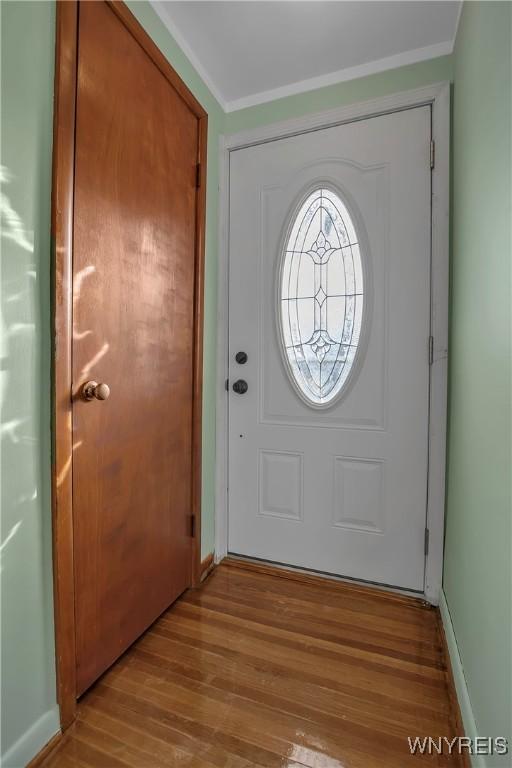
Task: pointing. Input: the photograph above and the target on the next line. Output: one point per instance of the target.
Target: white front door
(329, 297)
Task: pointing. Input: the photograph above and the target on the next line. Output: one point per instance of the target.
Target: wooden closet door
(133, 329)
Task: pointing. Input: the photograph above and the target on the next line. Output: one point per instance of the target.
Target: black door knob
(241, 358)
(240, 387)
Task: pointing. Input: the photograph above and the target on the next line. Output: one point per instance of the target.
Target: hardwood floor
(253, 669)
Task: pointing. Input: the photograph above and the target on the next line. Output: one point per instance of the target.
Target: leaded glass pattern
(321, 296)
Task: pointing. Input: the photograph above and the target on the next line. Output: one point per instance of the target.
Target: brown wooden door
(134, 255)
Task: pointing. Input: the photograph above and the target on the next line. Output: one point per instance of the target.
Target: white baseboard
(32, 741)
(466, 710)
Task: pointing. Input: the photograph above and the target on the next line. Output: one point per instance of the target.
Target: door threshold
(297, 573)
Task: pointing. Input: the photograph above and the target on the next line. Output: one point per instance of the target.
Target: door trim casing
(437, 96)
(66, 52)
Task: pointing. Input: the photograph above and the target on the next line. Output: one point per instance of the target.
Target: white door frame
(438, 96)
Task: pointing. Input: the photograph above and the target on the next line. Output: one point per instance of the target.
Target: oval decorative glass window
(321, 296)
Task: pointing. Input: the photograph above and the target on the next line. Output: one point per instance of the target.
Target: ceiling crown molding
(303, 86)
(457, 22)
(342, 75)
(189, 53)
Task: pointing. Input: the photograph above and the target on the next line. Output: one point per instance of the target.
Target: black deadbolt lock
(241, 357)
(240, 387)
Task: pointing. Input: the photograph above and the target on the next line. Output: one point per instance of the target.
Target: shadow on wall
(29, 716)
(14, 332)
(28, 673)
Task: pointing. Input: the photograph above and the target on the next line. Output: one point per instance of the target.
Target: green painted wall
(28, 670)
(477, 579)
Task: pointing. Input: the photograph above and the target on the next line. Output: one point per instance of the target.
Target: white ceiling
(251, 51)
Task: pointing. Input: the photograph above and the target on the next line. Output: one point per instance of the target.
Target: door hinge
(193, 526)
(198, 175)
(427, 537)
(430, 350)
(227, 385)
(432, 153)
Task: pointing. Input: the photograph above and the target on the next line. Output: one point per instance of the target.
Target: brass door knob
(92, 390)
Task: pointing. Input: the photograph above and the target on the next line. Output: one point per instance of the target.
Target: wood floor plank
(296, 695)
(166, 741)
(344, 634)
(283, 632)
(295, 607)
(293, 684)
(301, 717)
(333, 599)
(145, 749)
(257, 669)
(409, 686)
